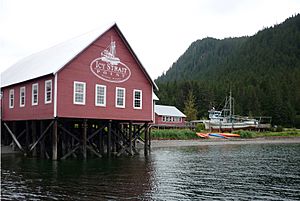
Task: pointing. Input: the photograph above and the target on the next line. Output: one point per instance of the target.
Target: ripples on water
(226, 172)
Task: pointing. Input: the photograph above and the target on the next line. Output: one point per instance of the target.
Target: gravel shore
(206, 142)
(202, 142)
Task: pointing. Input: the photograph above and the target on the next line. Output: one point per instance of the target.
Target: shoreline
(202, 142)
(215, 142)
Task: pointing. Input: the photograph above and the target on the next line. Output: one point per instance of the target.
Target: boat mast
(112, 47)
(230, 104)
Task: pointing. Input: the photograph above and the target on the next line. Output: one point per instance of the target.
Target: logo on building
(109, 67)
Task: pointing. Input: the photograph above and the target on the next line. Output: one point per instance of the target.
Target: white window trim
(11, 92)
(55, 96)
(96, 94)
(84, 93)
(141, 99)
(116, 101)
(22, 88)
(49, 101)
(32, 94)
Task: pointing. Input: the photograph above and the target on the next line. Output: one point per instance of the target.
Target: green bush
(200, 127)
(174, 134)
(245, 134)
(279, 129)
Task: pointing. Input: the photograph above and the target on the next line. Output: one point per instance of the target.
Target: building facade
(168, 115)
(95, 77)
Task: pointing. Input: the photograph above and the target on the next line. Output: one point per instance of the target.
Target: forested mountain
(262, 71)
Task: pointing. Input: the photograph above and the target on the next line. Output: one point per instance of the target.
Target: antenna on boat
(230, 104)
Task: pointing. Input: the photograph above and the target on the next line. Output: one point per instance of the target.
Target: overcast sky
(159, 31)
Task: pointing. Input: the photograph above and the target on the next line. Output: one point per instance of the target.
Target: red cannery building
(168, 115)
(92, 89)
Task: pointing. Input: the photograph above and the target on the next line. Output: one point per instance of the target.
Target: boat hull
(220, 126)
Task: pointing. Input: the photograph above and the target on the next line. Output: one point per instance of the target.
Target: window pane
(11, 98)
(34, 94)
(137, 99)
(48, 91)
(79, 98)
(22, 96)
(79, 93)
(79, 88)
(100, 95)
(120, 97)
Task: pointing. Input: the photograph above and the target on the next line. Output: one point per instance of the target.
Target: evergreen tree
(190, 107)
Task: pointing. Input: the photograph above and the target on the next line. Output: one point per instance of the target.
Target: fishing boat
(109, 54)
(226, 120)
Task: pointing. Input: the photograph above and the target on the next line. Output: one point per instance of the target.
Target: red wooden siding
(158, 120)
(28, 112)
(79, 70)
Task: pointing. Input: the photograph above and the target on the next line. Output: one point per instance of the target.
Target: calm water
(225, 172)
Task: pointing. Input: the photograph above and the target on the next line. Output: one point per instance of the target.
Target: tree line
(262, 71)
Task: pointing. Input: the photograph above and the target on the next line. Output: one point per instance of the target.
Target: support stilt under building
(62, 138)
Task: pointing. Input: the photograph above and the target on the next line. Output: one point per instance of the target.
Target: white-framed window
(137, 99)
(171, 119)
(22, 96)
(120, 97)
(35, 94)
(79, 93)
(100, 95)
(48, 91)
(11, 98)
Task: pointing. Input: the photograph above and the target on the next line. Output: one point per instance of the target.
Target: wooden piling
(14, 130)
(54, 140)
(114, 141)
(130, 138)
(149, 134)
(27, 137)
(134, 133)
(101, 142)
(42, 142)
(109, 139)
(84, 138)
(33, 134)
(146, 140)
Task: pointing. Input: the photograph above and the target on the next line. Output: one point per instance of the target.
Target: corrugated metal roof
(51, 60)
(164, 110)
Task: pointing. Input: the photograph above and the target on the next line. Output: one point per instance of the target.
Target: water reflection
(119, 178)
(245, 172)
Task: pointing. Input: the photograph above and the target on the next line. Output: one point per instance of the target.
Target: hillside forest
(262, 72)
